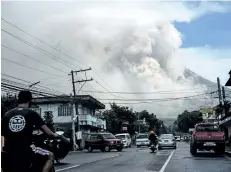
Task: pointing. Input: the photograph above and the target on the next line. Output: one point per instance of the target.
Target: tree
(188, 120)
(9, 102)
(48, 118)
(118, 115)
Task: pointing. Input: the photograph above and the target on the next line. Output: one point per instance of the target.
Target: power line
(29, 82)
(40, 40)
(155, 92)
(40, 49)
(17, 88)
(30, 67)
(106, 89)
(32, 58)
(167, 99)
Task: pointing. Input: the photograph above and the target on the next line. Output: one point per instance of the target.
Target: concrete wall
(85, 113)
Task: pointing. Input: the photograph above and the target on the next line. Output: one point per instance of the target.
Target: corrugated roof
(83, 99)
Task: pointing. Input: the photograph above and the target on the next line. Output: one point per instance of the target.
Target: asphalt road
(141, 160)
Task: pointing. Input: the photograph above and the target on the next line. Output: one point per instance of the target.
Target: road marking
(67, 168)
(74, 166)
(166, 162)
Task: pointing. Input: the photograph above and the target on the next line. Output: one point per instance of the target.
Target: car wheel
(193, 150)
(220, 150)
(119, 149)
(89, 149)
(107, 149)
(130, 145)
(174, 147)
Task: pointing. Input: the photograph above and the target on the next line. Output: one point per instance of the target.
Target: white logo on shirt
(17, 123)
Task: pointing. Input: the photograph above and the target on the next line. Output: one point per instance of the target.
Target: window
(143, 136)
(108, 136)
(93, 137)
(64, 110)
(207, 128)
(99, 137)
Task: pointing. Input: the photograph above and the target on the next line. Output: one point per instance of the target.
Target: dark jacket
(152, 137)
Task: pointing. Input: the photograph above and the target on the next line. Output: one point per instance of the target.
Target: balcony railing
(91, 120)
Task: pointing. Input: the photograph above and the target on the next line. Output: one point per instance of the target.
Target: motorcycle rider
(153, 138)
(17, 128)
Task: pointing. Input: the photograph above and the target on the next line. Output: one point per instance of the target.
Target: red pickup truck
(207, 136)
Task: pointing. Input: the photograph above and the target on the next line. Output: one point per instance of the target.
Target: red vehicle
(103, 141)
(207, 136)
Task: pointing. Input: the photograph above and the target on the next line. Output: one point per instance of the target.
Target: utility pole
(219, 90)
(219, 94)
(223, 93)
(76, 115)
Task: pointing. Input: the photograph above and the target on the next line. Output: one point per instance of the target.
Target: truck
(207, 136)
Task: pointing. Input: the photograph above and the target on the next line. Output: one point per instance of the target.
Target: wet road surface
(141, 160)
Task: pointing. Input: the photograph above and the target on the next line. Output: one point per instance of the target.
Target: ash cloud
(133, 47)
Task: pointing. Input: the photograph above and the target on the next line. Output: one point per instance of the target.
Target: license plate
(142, 143)
(210, 144)
(166, 141)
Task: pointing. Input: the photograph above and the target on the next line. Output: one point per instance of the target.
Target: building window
(64, 110)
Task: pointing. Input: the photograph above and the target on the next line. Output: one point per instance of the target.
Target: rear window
(166, 137)
(142, 136)
(108, 136)
(120, 136)
(207, 128)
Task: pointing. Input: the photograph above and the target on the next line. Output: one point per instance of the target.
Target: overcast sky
(131, 47)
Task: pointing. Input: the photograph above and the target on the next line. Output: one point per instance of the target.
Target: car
(126, 139)
(142, 140)
(103, 141)
(207, 136)
(166, 140)
(178, 138)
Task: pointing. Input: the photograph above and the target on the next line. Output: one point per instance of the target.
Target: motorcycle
(153, 148)
(58, 146)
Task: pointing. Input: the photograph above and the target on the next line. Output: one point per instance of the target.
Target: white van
(142, 140)
(126, 139)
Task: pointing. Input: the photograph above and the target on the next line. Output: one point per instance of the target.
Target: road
(141, 160)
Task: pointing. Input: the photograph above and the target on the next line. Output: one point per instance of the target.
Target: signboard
(78, 135)
(124, 128)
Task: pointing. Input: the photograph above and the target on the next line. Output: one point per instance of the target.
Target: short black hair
(24, 96)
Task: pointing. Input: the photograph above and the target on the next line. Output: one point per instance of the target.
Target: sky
(132, 46)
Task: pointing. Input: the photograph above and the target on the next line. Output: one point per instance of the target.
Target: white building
(62, 109)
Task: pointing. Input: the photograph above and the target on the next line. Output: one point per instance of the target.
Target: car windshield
(108, 136)
(142, 136)
(207, 128)
(166, 137)
(120, 136)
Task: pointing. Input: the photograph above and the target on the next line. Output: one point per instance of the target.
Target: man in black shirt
(17, 129)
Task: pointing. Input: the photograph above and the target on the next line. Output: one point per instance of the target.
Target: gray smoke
(132, 46)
